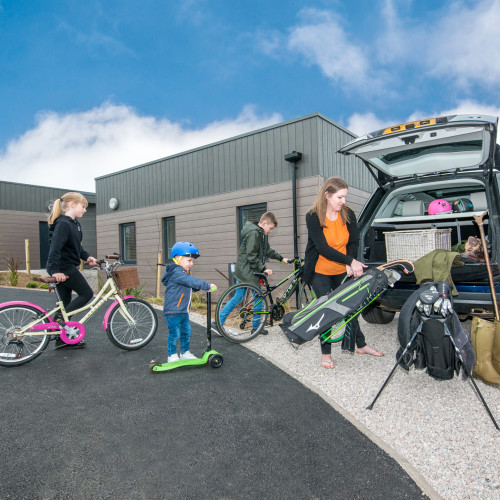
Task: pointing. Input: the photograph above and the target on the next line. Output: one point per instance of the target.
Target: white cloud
(391, 44)
(70, 150)
(456, 43)
(322, 40)
(471, 107)
(465, 44)
(362, 124)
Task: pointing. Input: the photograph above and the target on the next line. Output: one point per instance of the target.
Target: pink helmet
(438, 206)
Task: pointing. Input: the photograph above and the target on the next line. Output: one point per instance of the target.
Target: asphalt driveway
(95, 423)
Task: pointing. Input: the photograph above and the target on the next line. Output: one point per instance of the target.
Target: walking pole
(479, 222)
(417, 331)
(467, 372)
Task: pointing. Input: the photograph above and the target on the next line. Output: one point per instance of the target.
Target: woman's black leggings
(323, 284)
(77, 283)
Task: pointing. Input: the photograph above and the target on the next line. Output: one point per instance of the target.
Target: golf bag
(438, 329)
(326, 315)
(429, 314)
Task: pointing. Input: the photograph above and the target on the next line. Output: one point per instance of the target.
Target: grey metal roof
(245, 161)
(31, 198)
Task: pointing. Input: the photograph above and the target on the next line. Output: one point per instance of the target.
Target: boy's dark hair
(270, 218)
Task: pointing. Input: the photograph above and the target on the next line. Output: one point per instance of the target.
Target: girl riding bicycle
(66, 251)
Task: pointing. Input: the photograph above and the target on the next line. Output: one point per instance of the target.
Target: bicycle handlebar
(115, 256)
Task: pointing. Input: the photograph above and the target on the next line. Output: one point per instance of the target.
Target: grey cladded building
(205, 195)
(24, 211)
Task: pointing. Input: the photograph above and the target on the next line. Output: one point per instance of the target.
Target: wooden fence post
(158, 275)
(27, 248)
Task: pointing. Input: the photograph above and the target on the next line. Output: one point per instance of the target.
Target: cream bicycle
(26, 328)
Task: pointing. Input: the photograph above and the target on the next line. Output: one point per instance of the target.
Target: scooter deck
(163, 367)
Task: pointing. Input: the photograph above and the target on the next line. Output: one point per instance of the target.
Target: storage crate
(411, 245)
(126, 277)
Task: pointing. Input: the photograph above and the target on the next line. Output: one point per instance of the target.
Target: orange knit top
(337, 236)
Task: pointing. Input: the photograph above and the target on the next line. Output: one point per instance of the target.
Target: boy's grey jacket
(253, 252)
(179, 285)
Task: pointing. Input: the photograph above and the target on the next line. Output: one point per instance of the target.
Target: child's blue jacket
(179, 285)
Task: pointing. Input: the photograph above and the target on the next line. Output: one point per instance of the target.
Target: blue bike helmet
(184, 249)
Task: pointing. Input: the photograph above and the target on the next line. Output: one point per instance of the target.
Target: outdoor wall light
(113, 203)
(293, 157)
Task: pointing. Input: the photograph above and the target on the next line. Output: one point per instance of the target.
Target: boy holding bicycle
(254, 250)
(179, 285)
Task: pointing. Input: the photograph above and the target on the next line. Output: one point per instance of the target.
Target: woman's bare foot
(369, 350)
(326, 361)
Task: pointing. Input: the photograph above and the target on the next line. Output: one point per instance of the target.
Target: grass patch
(23, 279)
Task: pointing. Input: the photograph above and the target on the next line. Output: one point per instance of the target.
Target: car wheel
(377, 316)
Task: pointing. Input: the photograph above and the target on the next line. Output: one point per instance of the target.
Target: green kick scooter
(211, 357)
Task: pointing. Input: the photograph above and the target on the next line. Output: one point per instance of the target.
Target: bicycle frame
(295, 276)
(37, 327)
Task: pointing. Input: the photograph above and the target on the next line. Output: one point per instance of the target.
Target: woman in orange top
(332, 246)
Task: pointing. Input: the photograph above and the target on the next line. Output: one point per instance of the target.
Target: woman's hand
(355, 269)
(269, 272)
(92, 261)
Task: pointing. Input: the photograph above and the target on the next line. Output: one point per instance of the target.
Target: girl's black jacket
(316, 244)
(65, 245)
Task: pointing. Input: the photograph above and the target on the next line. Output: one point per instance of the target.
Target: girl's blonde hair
(61, 204)
(330, 186)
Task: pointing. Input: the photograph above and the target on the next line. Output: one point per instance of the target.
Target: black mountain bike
(243, 309)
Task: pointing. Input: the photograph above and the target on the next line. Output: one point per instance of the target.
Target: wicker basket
(411, 245)
(126, 277)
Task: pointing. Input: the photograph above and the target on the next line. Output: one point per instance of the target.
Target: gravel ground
(440, 428)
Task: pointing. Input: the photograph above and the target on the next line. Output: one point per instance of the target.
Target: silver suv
(452, 158)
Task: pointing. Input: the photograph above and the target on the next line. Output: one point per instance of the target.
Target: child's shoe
(187, 355)
(174, 357)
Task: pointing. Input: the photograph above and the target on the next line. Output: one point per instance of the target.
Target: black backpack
(432, 348)
(438, 350)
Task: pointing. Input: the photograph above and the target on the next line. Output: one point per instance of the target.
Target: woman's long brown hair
(330, 186)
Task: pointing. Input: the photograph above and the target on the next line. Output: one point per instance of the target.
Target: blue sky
(87, 88)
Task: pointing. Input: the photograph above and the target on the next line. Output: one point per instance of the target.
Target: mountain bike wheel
(306, 295)
(132, 335)
(241, 313)
(17, 351)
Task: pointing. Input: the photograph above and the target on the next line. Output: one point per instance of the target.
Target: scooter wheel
(215, 360)
(152, 364)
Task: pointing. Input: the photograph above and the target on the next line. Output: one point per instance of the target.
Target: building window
(168, 236)
(250, 213)
(127, 243)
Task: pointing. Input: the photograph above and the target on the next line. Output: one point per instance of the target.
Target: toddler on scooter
(179, 282)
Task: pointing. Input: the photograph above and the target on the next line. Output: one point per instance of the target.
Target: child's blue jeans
(179, 328)
(232, 303)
